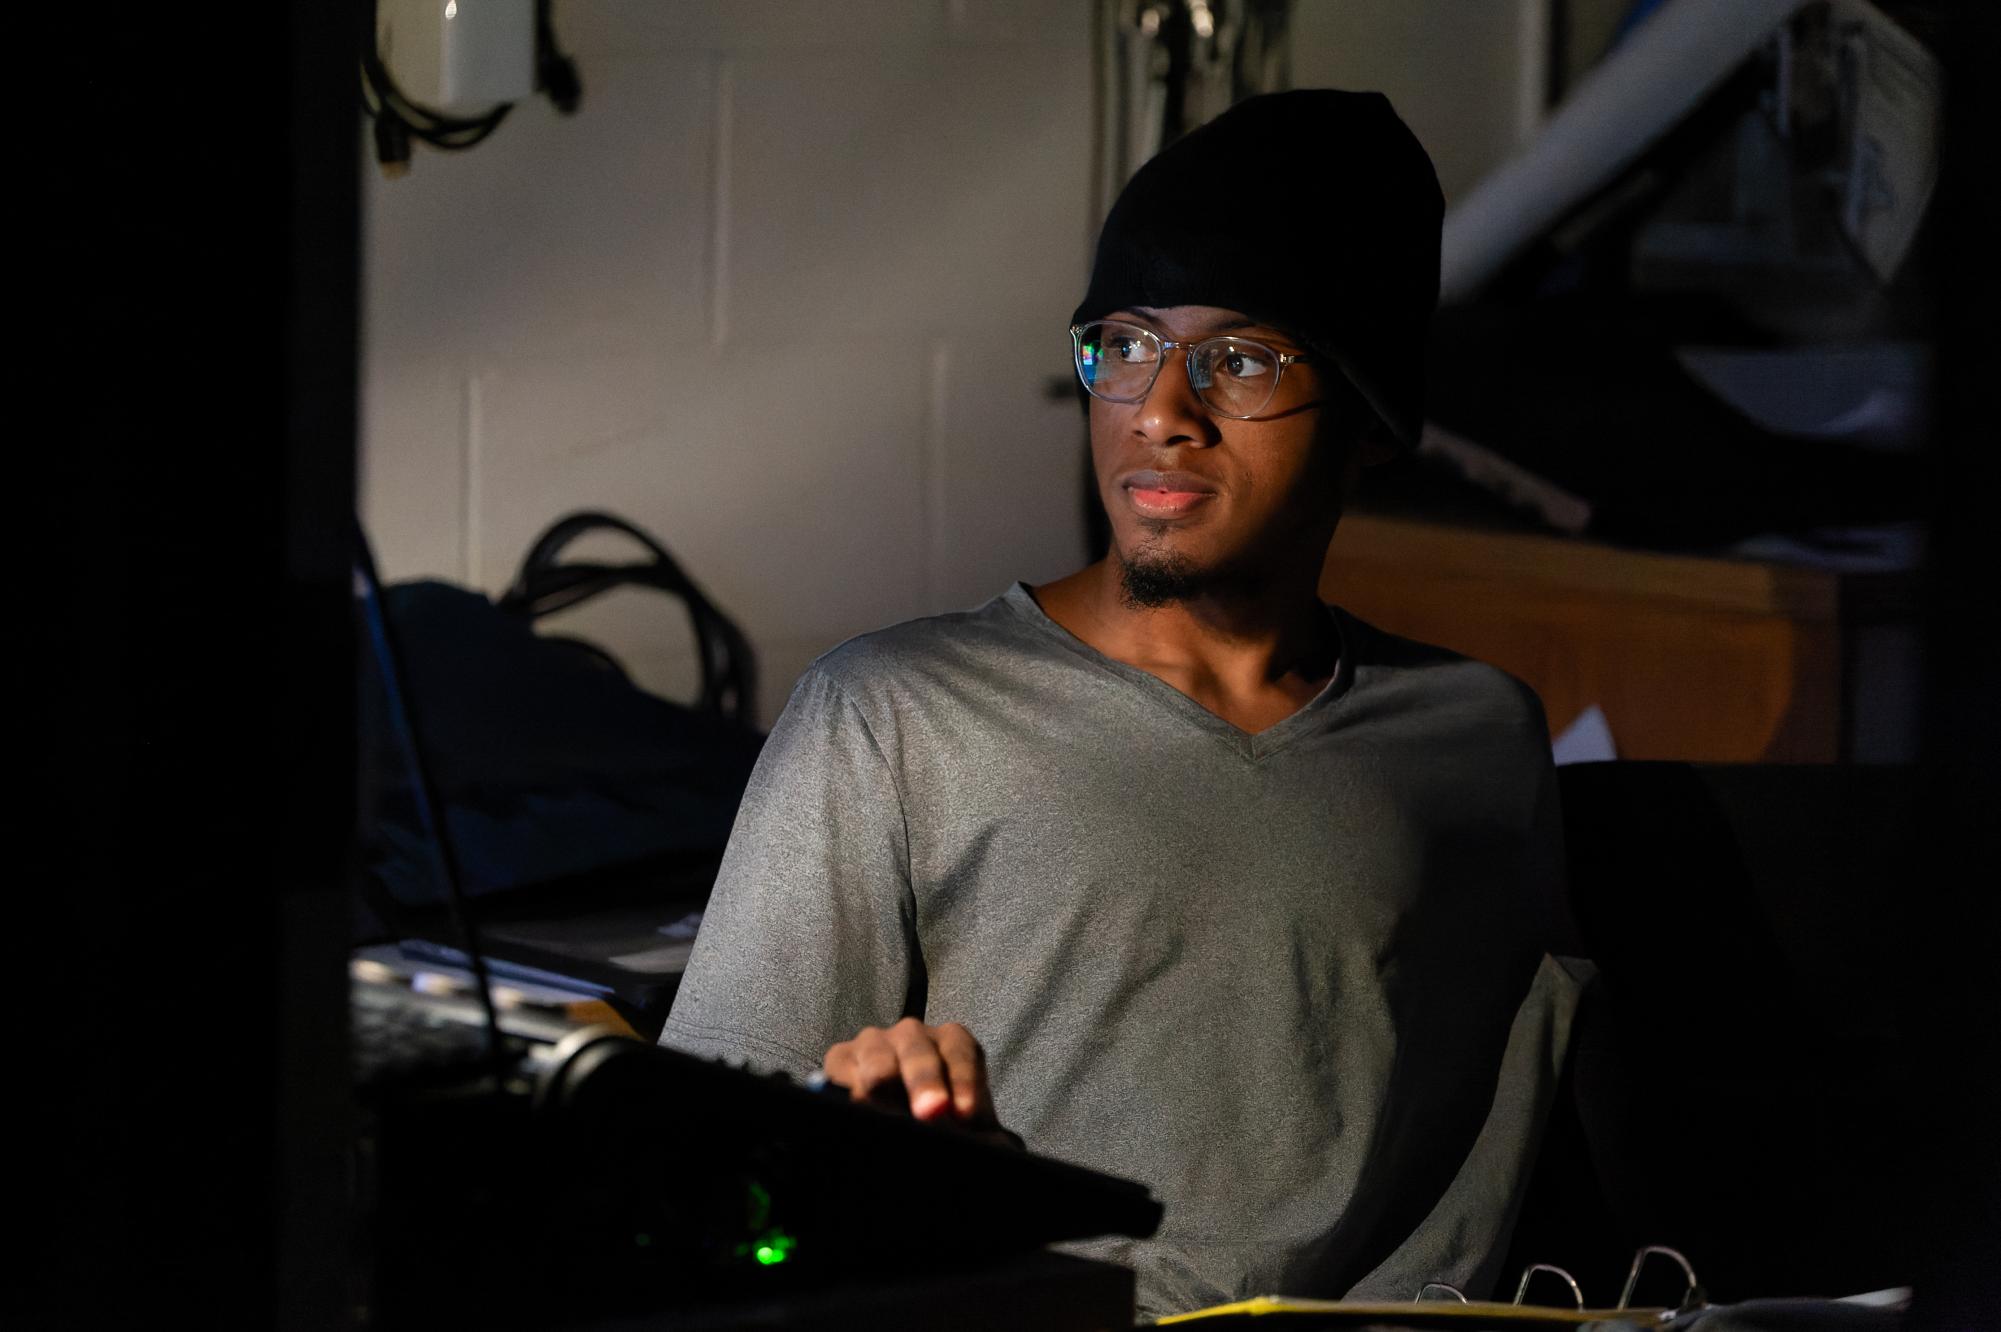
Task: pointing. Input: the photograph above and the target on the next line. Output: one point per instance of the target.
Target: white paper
(1586, 740)
(1899, 94)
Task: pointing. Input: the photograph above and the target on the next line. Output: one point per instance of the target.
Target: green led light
(775, 1249)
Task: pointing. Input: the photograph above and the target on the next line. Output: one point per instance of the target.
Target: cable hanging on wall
(508, 46)
(1162, 67)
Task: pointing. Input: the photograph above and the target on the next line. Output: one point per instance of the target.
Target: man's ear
(1373, 447)
(1377, 449)
(1375, 442)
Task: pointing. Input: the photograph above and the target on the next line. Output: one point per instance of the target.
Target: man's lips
(1165, 494)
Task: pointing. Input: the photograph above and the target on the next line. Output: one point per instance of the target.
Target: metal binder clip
(1691, 1297)
(1528, 1272)
(1424, 1292)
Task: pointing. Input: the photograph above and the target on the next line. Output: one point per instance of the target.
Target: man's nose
(1171, 413)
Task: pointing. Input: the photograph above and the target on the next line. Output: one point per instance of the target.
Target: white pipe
(1635, 95)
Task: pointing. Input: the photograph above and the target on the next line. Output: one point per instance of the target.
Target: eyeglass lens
(1232, 376)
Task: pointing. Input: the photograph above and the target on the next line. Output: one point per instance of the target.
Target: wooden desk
(1689, 657)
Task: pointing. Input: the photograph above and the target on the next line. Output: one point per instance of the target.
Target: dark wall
(1953, 987)
(192, 677)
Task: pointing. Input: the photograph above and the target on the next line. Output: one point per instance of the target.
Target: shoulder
(932, 658)
(934, 647)
(1467, 733)
(1423, 680)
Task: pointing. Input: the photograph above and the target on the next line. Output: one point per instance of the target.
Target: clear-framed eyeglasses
(1234, 377)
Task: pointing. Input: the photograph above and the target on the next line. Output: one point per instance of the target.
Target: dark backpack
(558, 777)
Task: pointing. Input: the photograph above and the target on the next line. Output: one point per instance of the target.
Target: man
(1167, 866)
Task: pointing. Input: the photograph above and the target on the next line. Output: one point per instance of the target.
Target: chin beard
(1147, 582)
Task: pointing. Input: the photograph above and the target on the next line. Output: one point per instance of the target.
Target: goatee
(1147, 582)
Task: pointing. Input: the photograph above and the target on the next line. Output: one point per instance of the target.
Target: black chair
(1736, 1080)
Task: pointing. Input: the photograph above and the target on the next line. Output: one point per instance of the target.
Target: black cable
(542, 586)
(434, 127)
(398, 119)
(422, 119)
(430, 811)
(555, 73)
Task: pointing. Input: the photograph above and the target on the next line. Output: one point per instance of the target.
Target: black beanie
(1314, 211)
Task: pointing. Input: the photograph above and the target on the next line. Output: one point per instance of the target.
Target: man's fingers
(923, 1069)
(966, 1070)
(865, 1065)
(937, 1072)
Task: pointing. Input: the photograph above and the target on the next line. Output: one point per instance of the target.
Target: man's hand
(939, 1072)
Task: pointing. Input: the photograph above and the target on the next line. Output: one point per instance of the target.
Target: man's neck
(1252, 655)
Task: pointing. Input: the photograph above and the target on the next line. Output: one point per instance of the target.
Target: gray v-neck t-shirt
(1271, 976)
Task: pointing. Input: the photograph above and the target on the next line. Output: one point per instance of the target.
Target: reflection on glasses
(1234, 377)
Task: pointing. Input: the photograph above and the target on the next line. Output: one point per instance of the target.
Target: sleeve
(809, 932)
